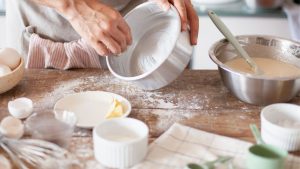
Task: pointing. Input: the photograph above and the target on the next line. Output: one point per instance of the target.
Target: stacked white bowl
(280, 126)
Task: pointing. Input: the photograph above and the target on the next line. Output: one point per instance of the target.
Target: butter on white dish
(4, 163)
(120, 142)
(4, 70)
(91, 107)
(10, 57)
(12, 127)
(20, 108)
(116, 109)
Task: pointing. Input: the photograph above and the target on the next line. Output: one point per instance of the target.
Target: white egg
(4, 163)
(12, 127)
(10, 57)
(20, 108)
(4, 70)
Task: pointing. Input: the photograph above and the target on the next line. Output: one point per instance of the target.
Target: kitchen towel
(181, 145)
(293, 13)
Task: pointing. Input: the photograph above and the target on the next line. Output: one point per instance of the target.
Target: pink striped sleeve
(44, 53)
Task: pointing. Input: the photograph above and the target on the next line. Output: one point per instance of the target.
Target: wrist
(67, 8)
(72, 9)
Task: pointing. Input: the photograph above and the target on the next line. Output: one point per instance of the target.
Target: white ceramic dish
(159, 52)
(280, 125)
(90, 107)
(120, 143)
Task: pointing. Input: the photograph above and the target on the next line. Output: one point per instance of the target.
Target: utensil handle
(229, 36)
(256, 134)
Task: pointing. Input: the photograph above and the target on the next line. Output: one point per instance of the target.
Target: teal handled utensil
(211, 164)
(229, 36)
(264, 156)
(256, 134)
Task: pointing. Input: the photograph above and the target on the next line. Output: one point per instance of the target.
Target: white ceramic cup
(120, 142)
(280, 125)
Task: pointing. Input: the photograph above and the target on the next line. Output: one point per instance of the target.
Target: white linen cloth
(293, 13)
(181, 145)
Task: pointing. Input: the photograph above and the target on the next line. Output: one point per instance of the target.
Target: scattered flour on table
(48, 100)
(166, 118)
(172, 101)
(159, 101)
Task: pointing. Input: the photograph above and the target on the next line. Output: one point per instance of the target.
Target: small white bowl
(280, 125)
(121, 142)
(20, 108)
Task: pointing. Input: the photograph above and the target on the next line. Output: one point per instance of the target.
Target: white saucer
(90, 107)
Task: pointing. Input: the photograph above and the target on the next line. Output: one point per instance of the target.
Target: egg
(4, 163)
(4, 70)
(20, 108)
(10, 57)
(12, 127)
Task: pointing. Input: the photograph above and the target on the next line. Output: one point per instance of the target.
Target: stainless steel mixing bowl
(159, 53)
(255, 89)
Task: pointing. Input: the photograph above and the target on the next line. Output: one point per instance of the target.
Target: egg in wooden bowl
(11, 69)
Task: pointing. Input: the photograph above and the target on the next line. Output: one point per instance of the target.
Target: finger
(180, 6)
(193, 22)
(111, 44)
(100, 48)
(120, 38)
(164, 4)
(123, 26)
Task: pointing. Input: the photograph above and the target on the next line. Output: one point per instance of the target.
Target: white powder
(289, 123)
(165, 118)
(67, 87)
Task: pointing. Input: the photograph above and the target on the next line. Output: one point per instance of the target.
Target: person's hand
(188, 15)
(100, 25)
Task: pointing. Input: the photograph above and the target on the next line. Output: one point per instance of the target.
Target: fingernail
(194, 41)
(184, 27)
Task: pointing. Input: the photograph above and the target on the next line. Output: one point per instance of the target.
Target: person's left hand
(188, 15)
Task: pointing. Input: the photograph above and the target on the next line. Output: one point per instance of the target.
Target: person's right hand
(100, 25)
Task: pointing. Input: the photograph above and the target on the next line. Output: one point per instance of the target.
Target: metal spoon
(229, 36)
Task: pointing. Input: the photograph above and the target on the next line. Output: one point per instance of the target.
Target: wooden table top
(197, 99)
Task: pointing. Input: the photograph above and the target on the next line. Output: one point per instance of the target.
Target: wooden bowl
(10, 80)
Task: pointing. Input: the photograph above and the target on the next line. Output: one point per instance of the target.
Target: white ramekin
(120, 142)
(274, 133)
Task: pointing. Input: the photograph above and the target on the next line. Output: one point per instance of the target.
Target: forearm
(68, 8)
(55, 4)
(101, 26)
